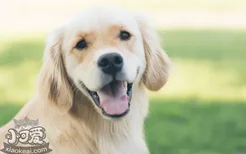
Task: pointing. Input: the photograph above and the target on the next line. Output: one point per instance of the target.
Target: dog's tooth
(124, 84)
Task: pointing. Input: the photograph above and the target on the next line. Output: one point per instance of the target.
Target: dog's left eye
(124, 35)
(82, 44)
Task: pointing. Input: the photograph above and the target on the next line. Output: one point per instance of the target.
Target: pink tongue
(113, 98)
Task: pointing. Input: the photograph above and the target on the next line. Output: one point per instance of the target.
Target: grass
(196, 127)
(200, 111)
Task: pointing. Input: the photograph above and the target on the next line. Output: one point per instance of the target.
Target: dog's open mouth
(113, 99)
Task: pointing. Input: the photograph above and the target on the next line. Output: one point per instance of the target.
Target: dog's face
(104, 56)
(104, 53)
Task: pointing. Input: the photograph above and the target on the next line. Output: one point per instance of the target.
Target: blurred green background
(202, 108)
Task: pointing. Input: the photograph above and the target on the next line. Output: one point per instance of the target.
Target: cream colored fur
(72, 122)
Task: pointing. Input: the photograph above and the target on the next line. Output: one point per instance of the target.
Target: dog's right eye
(82, 44)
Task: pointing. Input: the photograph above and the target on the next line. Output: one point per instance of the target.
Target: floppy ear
(54, 84)
(157, 61)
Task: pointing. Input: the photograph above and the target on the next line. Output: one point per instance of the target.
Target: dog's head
(104, 53)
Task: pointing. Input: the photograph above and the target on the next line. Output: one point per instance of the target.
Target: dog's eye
(124, 35)
(82, 44)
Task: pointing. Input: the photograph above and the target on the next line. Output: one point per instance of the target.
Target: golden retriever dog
(91, 96)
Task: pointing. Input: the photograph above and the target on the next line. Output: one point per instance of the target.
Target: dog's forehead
(100, 19)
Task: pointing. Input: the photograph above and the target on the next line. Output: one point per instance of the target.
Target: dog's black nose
(110, 63)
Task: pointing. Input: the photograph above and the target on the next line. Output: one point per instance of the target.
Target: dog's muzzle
(114, 97)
